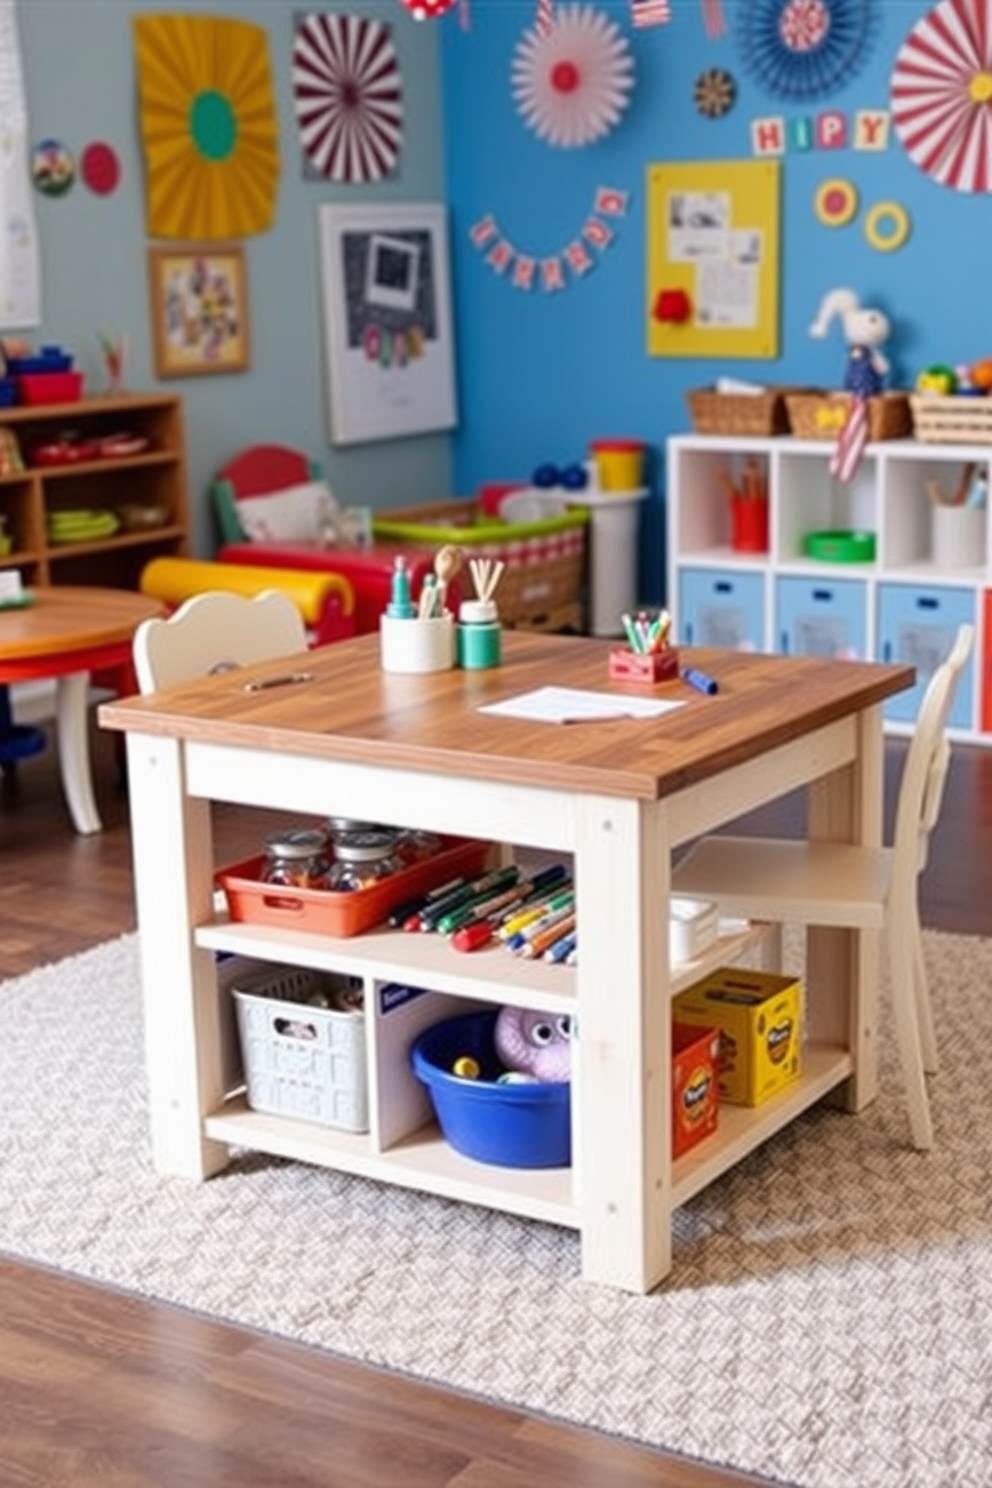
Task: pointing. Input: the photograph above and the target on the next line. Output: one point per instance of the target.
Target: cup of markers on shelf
(649, 656)
(416, 636)
(478, 619)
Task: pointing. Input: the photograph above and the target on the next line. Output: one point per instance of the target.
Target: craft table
(619, 795)
(68, 633)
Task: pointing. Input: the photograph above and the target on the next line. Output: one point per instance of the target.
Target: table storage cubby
(925, 564)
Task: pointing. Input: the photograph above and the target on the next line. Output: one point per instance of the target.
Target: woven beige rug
(828, 1322)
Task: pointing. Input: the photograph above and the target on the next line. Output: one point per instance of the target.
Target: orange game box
(695, 1085)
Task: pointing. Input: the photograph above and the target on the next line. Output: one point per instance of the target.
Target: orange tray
(323, 912)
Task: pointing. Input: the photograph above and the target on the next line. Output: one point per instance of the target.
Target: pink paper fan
(941, 95)
(572, 79)
(347, 95)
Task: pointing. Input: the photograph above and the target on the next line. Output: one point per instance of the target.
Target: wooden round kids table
(68, 633)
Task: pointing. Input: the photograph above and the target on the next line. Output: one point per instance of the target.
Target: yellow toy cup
(619, 463)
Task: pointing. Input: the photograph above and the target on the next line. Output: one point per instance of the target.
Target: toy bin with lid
(511, 1126)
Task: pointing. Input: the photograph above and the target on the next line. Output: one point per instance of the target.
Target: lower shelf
(425, 1161)
(743, 1128)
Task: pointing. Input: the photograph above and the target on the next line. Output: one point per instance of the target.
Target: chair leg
(924, 1008)
(901, 966)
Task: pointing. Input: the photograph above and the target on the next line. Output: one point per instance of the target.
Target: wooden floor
(104, 1390)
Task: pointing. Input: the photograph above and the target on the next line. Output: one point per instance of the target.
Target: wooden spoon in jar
(447, 562)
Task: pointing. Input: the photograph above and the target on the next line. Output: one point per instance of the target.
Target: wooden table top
(353, 710)
(65, 619)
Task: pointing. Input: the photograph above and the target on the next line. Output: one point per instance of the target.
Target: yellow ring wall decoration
(887, 226)
(836, 202)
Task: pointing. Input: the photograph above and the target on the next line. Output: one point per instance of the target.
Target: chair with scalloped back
(216, 632)
(863, 888)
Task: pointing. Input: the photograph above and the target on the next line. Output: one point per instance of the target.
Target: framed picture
(199, 309)
(386, 297)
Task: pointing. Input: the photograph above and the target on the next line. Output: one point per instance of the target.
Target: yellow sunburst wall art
(208, 126)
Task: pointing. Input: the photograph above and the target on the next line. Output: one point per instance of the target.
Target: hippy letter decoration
(942, 95)
(208, 126)
(347, 97)
(527, 271)
(572, 76)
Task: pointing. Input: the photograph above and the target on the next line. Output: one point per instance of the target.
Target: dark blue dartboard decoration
(800, 49)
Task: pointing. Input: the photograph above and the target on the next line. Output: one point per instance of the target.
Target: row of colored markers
(532, 915)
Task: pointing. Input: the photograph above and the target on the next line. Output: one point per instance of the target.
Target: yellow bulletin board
(713, 258)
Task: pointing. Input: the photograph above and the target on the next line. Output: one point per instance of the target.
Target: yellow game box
(758, 1015)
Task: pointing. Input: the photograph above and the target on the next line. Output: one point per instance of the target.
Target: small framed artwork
(199, 309)
(386, 297)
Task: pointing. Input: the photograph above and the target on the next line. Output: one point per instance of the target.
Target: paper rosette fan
(347, 96)
(208, 126)
(572, 78)
(804, 48)
(941, 95)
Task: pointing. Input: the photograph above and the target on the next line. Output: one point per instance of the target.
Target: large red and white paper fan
(347, 96)
(572, 78)
(941, 95)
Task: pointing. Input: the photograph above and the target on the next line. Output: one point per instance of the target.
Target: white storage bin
(301, 1059)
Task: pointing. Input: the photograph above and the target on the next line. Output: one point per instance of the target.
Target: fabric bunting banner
(556, 271)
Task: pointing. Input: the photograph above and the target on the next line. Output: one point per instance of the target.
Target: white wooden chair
(215, 632)
(864, 888)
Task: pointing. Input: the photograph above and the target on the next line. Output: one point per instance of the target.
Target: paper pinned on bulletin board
(713, 258)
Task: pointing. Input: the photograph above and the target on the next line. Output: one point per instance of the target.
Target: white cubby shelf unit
(930, 569)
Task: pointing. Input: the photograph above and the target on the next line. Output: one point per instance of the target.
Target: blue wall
(542, 374)
(80, 83)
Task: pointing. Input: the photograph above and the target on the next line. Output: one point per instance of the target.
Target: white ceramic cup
(417, 645)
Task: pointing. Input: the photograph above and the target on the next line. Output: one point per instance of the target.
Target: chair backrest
(259, 470)
(921, 791)
(215, 632)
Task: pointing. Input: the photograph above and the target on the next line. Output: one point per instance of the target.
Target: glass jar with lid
(362, 859)
(297, 858)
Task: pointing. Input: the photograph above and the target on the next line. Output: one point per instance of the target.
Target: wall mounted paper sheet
(20, 291)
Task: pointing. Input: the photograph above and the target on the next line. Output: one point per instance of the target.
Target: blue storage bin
(821, 617)
(511, 1126)
(8, 392)
(918, 626)
(46, 359)
(723, 608)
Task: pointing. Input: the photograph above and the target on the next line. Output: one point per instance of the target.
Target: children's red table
(69, 633)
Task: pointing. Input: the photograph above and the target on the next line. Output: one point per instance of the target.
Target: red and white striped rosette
(347, 96)
(941, 95)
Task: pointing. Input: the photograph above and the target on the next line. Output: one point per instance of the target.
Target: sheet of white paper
(576, 705)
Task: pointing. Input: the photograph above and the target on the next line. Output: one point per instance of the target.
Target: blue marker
(699, 680)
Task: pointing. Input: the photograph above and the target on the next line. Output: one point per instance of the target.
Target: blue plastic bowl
(511, 1126)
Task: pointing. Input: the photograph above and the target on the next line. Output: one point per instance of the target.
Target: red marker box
(645, 667)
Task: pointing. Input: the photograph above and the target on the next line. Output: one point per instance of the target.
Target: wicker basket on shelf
(950, 420)
(738, 413)
(821, 415)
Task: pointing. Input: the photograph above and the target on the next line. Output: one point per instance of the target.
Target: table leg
(622, 1085)
(72, 714)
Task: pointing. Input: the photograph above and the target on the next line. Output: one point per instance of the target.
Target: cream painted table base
(616, 797)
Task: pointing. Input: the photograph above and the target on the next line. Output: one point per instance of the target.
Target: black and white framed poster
(387, 320)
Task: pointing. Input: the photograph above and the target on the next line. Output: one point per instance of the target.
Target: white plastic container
(694, 924)
(958, 536)
(301, 1060)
